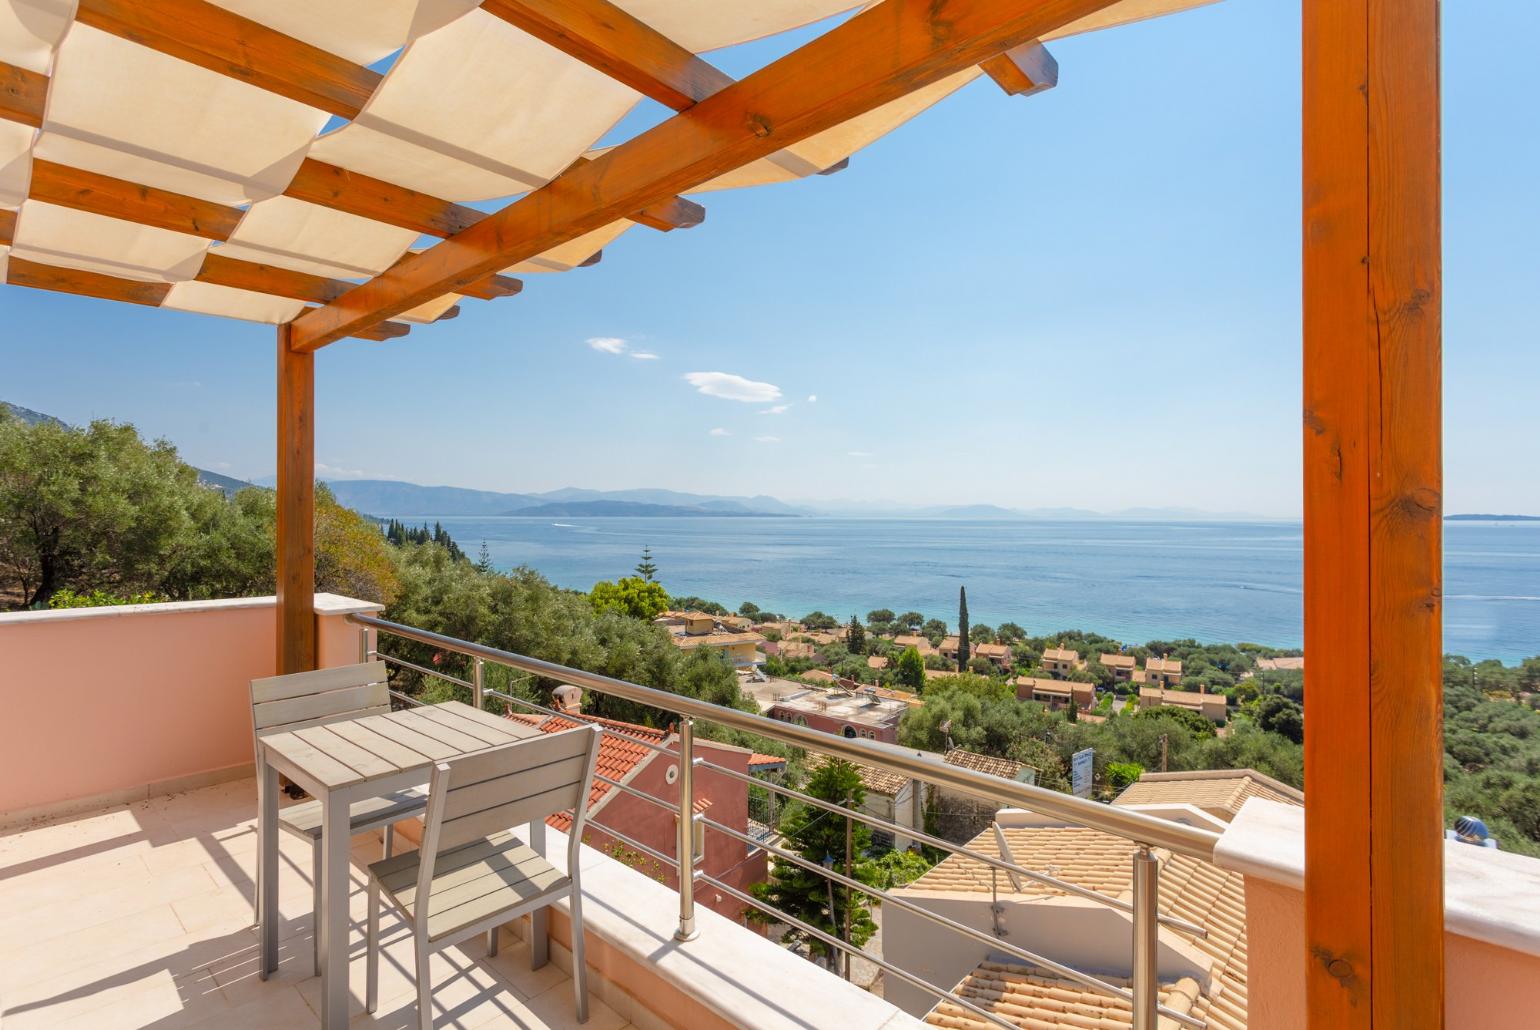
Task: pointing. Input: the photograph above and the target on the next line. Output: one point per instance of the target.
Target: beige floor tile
(67, 915)
(556, 1008)
(512, 964)
(281, 1008)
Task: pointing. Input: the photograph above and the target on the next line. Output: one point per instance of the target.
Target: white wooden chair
(473, 872)
(305, 699)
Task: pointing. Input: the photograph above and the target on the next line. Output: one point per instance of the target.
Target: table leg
(540, 918)
(267, 868)
(334, 912)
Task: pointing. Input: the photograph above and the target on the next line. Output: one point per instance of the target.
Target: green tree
(855, 636)
(962, 627)
(647, 568)
(823, 838)
(908, 621)
(1195, 724)
(749, 610)
(1281, 716)
(880, 620)
(632, 596)
(909, 670)
(818, 620)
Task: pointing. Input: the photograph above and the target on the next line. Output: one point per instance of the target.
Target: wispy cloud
(779, 409)
(222, 466)
(767, 439)
(338, 472)
(607, 344)
(731, 387)
(719, 431)
(812, 398)
(859, 454)
(644, 355)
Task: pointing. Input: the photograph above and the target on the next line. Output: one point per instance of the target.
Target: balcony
(128, 845)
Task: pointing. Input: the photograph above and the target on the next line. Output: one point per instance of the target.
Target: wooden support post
(296, 508)
(1373, 515)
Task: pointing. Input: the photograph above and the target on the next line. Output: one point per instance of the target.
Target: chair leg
(424, 987)
(315, 910)
(390, 838)
(372, 944)
(492, 943)
(579, 965)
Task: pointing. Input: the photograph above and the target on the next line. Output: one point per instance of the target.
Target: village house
(1289, 663)
(1055, 694)
(1211, 706)
(998, 655)
(1122, 666)
(890, 797)
(956, 816)
(877, 662)
(1061, 661)
(859, 715)
(919, 643)
(1160, 672)
(690, 630)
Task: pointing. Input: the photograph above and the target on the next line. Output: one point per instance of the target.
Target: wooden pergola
(1372, 338)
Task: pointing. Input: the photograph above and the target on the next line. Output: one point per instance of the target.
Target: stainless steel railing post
(365, 648)
(477, 692)
(684, 852)
(1146, 964)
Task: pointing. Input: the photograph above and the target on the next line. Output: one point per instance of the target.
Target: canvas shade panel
(306, 237)
(30, 29)
(132, 113)
(363, 31)
(15, 162)
(54, 235)
(569, 255)
(209, 299)
(432, 310)
(478, 110)
(701, 25)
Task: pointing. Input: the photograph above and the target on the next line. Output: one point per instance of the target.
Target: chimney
(569, 699)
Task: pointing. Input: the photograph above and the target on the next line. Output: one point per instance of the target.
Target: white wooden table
(340, 763)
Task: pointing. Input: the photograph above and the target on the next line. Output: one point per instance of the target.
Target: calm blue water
(1137, 581)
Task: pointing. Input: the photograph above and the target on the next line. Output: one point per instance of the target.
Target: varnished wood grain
(7, 227)
(1373, 742)
(879, 55)
(22, 95)
(368, 197)
(296, 629)
(1023, 70)
(117, 198)
(21, 272)
(211, 37)
(610, 40)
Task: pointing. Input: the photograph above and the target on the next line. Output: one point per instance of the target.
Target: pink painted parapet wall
(102, 705)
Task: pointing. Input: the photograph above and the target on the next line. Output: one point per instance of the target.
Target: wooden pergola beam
(212, 37)
(7, 227)
(131, 202)
(614, 42)
(357, 194)
(220, 270)
(1024, 70)
(881, 54)
(1374, 875)
(38, 276)
(22, 95)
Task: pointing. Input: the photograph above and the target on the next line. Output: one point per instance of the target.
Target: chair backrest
(304, 699)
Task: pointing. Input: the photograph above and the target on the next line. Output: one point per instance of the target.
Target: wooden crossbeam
(21, 272)
(329, 186)
(7, 227)
(212, 37)
(1023, 70)
(22, 94)
(608, 39)
(261, 278)
(145, 205)
(879, 55)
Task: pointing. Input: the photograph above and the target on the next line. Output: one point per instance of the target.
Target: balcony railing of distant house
(1144, 831)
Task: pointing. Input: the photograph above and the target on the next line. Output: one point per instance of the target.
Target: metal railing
(1144, 831)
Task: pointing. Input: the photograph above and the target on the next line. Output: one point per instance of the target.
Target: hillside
(614, 509)
(391, 497)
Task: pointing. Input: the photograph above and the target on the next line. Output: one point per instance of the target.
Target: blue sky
(1088, 297)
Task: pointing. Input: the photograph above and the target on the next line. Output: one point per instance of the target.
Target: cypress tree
(646, 568)
(962, 627)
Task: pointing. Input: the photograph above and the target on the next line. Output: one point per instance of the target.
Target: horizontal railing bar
(835, 942)
(667, 860)
(580, 717)
(1069, 972)
(393, 660)
(409, 699)
(627, 788)
(1136, 826)
(921, 835)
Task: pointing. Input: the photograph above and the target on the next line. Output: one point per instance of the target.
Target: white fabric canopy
(30, 29)
(306, 237)
(208, 299)
(62, 236)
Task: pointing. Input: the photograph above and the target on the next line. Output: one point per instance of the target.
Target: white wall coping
(325, 604)
(747, 979)
(1491, 896)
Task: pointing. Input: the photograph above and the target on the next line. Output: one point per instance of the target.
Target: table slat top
(351, 751)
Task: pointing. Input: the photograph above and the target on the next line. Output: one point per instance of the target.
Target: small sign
(1081, 767)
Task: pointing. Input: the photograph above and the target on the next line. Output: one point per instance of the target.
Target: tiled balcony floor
(141, 916)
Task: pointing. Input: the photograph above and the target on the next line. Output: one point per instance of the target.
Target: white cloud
(644, 355)
(812, 398)
(719, 431)
(731, 387)
(859, 454)
(337, 472)
(607, 344)
(779, 409)
(767, 439)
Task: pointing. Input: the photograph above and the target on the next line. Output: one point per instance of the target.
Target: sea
(1136, 581)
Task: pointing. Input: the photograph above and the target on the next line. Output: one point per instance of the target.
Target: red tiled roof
(618, 756)
(758, 759)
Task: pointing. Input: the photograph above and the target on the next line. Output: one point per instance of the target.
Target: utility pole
(848, 898)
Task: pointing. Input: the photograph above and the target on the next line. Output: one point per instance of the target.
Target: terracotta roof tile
(1221, 792)
(878, 781)
(1118, 661)
(1002, 767)
(1035, 998)
(619, 752)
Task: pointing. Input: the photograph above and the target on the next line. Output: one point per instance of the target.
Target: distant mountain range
(601, 509)
(229, 484)
(1492, 518)
(391, 497)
